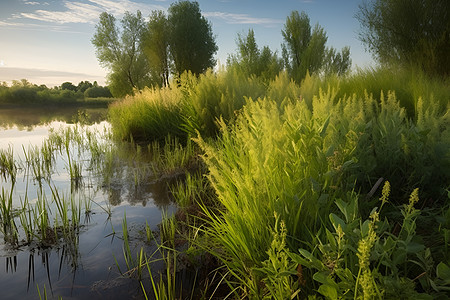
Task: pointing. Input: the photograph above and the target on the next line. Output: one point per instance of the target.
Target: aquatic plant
(8, 167)
(7, 215)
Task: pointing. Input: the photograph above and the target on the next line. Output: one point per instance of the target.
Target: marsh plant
(51, 216)
(281, 158)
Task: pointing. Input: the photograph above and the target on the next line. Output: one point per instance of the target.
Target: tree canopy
(156, 47)
(192, 44)
(409, 33)
(139, 53)
(304, 49)
(252, 60)
(120, 51)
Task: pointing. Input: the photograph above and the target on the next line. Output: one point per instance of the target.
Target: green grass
(150, 115)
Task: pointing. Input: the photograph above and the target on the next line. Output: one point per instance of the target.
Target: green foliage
(251, 60)
(156, 46)
(192, 44)
(364, 259)
(219, 95)
(408, 33)
(25, 93)
(120, 51)
(280, 159)
(409, 85)
(151, 115)
(304, 50)
(97, 92)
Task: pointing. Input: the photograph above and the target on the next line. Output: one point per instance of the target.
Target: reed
(8, 168)
(7, 216)
(26, 220)
(168, 229)
(173, 159)
(164, 289)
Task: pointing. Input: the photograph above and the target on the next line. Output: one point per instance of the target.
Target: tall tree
(192, 44)
(120, 51)
(413, 32)
(304, 49)
(253, 61)
(156, 46)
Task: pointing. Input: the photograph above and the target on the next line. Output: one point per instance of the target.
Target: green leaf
(365, 228)
(323, 128)
(336, 221)
(313, 262)
(443, 272)
(328, 291)
(414, 247)
(331, 239)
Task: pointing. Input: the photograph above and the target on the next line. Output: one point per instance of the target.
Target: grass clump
(150, 115)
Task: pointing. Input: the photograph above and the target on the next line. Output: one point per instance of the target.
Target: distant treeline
(24, 92)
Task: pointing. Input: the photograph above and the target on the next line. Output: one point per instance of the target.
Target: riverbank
(331, 187)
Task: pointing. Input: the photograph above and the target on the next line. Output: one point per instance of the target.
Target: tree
(408, 33)
(120, 51)
(252, 61)
(304, 50)
(337, 62)
(97, 91)
(68, 86)
(156, 47)
(192, 44)
(83, 86)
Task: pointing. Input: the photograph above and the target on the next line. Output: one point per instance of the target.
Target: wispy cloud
(85, 13)
(38, 27)
(231, 18)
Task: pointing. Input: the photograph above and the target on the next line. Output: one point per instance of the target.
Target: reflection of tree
(28, 117)
(160, 193)
(114, 195)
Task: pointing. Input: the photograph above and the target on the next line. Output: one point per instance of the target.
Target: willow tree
(192, 44)
(119, 50)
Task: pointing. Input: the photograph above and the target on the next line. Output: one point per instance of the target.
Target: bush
(97, 92)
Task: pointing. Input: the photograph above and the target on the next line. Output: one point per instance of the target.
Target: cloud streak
(85, 13)
(231, 18)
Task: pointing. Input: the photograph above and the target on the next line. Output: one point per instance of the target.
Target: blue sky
(49, 41)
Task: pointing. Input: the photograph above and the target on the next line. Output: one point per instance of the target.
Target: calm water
(113, 185)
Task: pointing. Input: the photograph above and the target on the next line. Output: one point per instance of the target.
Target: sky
(49, 42)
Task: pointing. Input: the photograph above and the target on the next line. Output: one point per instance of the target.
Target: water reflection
(100, 181)
(26, 118)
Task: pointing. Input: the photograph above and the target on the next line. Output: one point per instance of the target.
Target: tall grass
(151, 114)
(409, 86)
(294, 162)
(218, 95)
